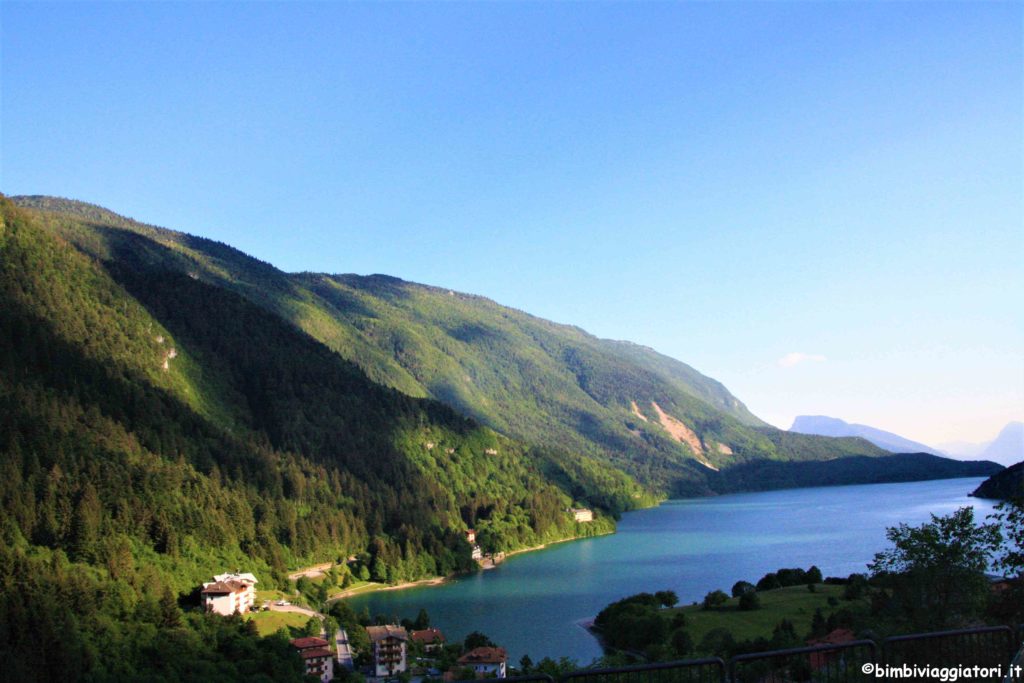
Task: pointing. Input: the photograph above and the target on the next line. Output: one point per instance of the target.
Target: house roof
(222, 587)
(427, 635)
(304, 643)
(387, 631)
(840, 635)
(245, 578)
(315, 652)
(484, 655)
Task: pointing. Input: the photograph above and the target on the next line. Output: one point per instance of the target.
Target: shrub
(750, 601)
(715, 599)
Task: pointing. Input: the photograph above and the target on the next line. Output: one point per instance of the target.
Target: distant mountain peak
(823, 425)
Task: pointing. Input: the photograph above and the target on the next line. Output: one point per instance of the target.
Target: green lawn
(271, 595)
(270, 622)
(794, 603)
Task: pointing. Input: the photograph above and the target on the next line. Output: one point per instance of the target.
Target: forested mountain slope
(650, 416)
(156, 429)
(1007, 484)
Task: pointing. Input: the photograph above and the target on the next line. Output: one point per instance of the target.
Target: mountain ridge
(532, 379)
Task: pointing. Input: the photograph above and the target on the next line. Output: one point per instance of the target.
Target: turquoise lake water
(532, 603)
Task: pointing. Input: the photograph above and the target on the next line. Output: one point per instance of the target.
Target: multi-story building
(230, 593)
(318, 659)
(389, 649)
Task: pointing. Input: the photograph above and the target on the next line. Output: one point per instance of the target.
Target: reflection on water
(531, 604)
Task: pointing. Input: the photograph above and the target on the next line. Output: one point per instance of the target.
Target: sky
(819, 204)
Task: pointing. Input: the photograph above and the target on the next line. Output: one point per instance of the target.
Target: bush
(750, 601)
(741, 587)
(682, 643)
(769, 582)
(667, 598)
(715, 599)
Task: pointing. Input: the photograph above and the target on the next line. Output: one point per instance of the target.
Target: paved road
(344, 651)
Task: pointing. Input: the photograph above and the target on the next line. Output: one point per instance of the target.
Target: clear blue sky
(732, 184)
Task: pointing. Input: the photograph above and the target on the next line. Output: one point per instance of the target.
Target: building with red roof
(318, 659)
(486, 661)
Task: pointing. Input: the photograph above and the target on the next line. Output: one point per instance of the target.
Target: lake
(532, 603)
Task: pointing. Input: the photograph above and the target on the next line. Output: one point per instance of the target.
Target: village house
(389, 649)
(582, 514)
(318, 659)
(230, 593)
(431, 639)
(486, 661)
(477, 553)
(820, 660)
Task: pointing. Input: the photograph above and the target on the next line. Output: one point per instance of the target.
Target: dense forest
(1004, 485)
(156, 430)
(769, 475)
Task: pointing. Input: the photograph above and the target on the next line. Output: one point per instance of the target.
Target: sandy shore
(438, 580)
(373, 588)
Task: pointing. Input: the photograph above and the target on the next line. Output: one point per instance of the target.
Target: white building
(389, 649)
(230, 593)
(583, 514)
(486, 661)
(318, 659)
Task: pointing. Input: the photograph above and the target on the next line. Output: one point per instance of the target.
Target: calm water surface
(531, 604)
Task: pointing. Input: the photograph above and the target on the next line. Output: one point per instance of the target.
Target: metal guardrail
(839, 662)
(710, 670)
(989, 647)
(1014, 673)
(985, 647)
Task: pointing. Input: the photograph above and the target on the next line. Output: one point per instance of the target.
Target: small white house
(230, 593)
(486, 661)
(582, 514)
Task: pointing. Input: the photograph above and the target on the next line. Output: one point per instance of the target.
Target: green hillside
(652, 417)
(156, 429)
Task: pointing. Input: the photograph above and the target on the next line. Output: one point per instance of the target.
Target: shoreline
(542, 546)
(380, 587)
(439, 580)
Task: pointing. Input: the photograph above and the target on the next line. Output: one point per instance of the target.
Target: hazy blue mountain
(1008, 447)
(963, 450)
(832, 426)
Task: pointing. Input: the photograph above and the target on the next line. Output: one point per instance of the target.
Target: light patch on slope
(724, 449)
(683, 434)
(636, 411)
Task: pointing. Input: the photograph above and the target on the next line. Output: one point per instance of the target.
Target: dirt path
(312, 572)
